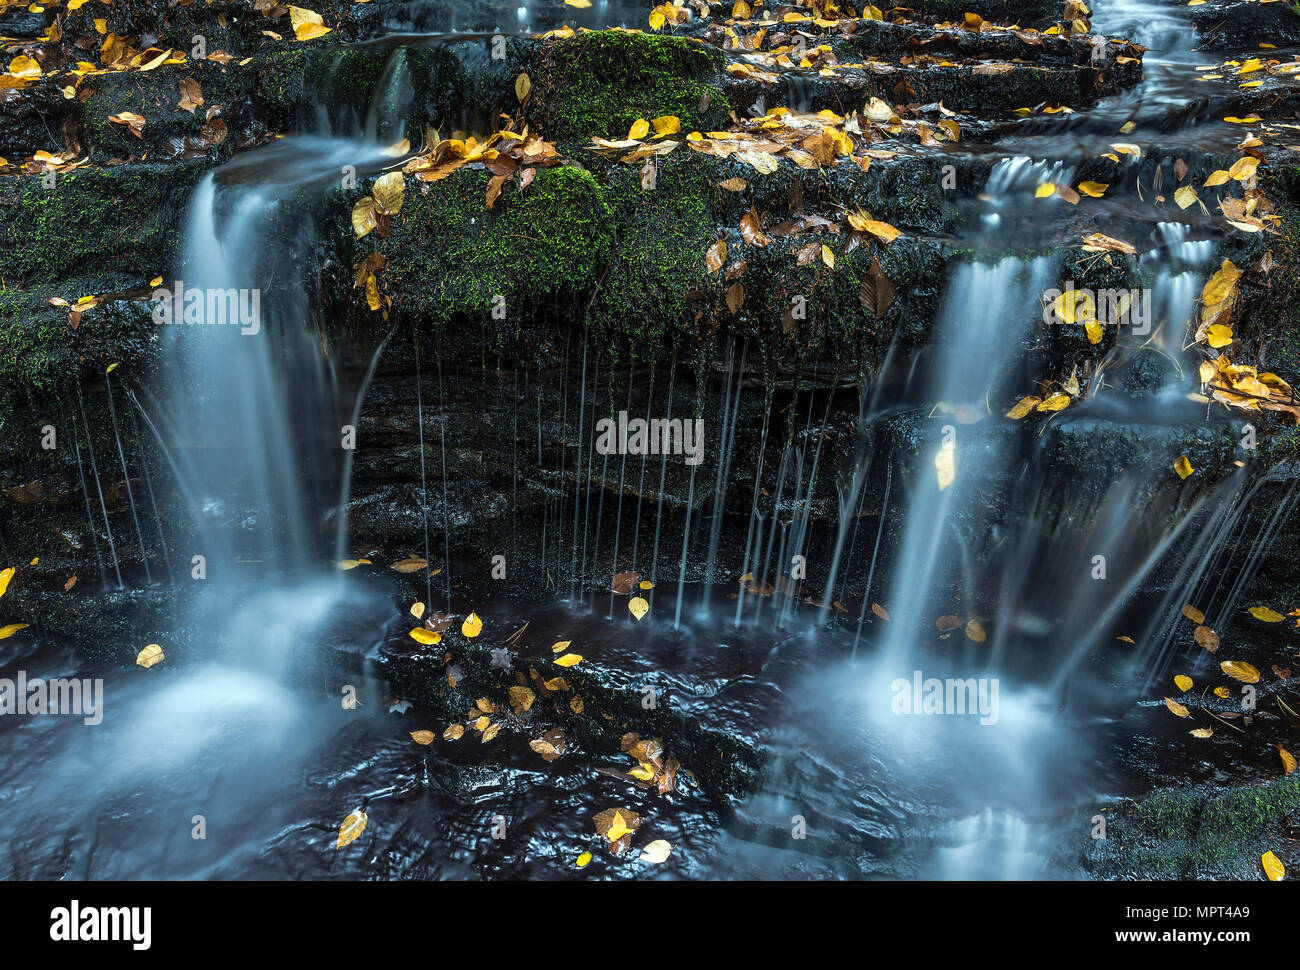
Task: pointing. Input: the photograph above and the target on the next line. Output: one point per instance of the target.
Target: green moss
(542, 250)
(1193, 833)
(601, 83)
(122, 224)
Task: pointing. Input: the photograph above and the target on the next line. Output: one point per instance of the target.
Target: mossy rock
(601, 83)
(1198, 833)
(122, 223)
(542, 250)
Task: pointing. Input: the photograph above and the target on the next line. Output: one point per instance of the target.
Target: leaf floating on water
(560, 646)
(1193, 614)
(569, 660)
(657, 851)
(472, 626)
(1240, 670)
(1288, 759)
(1185, 196)
(150, 655)
(1177, 708)
(638, 607)
(1184, 683)
(1201, 732)
(423, 737)
(427, 637)
(975, 631)
(1124, 639)
(614, 823)
(1207, 638)
(583, 860)
(1273, 867)
(351, 828)
(454, 733)
(1266, 614)
(880, 611)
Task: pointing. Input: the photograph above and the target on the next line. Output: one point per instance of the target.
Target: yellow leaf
(1217, 178)
(1193, 614)
(646, 584)
(1177, 708)
(638, 607)
(640, 128)
(1183, 466)
(1045, 190)
(1185, 196)
(307, 24)
(657, 19)
(363, 217)
(560, 646)
(1206, 638)
(828, 256)
(522, 86)
(24, 67)
(355, 823)
(1240, 670)
(522, 698)
(617, 828)
(975, 631)
(1184, 682)
(666, 125)
(1220, 286)
(657, 851)
(417, 610)
(1057, 402)
(569, 660)
(388, 192)
(5, 576)
(490, 732)
(454, 733)
(1093, 189)
(150, 655)
(1266, 614)
(584, 860)
(472, 626)
(1288, 759)
(1201, 732)
(1243, 168)
(1273, 867)
(421, 635)
(1023, 407)
(880, 611)
(423, 737)
(1217, 335)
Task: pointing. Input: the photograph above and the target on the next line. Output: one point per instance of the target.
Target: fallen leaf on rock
(422, 737)
(1240, 670)
(638, 607)
(1177, 708)
(657, 851)
(472, 626)
(351, 828)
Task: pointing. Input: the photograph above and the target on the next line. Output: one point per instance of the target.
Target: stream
(255, 745)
